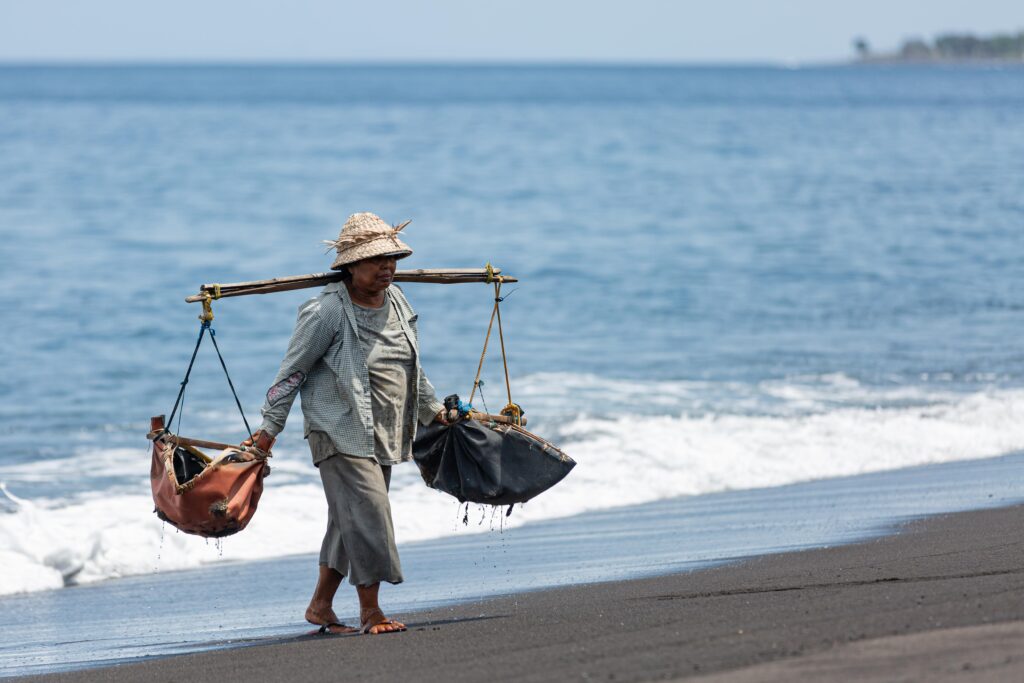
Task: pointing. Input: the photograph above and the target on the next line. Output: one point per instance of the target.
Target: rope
(487, 338)
(482, 398)
(207, 315)
(213, 338)
(180, 401)
(501, 338)
(512, 409)
(184, 382)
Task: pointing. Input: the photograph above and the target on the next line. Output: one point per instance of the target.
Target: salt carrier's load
(203, 495)
(487, 459)
(199, 494)
(483, 458)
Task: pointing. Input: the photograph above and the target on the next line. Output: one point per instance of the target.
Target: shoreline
(481, 515)
(232, 605)
(822, 614)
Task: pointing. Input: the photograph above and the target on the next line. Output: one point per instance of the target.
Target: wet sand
(942, 599)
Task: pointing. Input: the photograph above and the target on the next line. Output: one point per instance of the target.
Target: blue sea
(731, 279)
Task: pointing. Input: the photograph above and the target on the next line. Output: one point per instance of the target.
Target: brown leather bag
(211, 497)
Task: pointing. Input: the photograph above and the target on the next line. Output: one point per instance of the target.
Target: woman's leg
(357, 491)
(369, 609)
(333, 560)
(358, 495)
(321, 606)
(370, 613)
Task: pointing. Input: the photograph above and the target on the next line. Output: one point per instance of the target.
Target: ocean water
(731, 278)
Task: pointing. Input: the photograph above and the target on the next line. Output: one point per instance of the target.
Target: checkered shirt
(326, 366)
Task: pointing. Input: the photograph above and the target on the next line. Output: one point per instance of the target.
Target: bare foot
(328, 621)
(374, 622)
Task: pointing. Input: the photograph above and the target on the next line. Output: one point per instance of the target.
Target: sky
(707, 31)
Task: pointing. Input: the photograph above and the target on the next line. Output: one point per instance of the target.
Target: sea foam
(683, 442)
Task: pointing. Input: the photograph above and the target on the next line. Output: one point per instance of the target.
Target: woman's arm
(429, 408)
(308, 344)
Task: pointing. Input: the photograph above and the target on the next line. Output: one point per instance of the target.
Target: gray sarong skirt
(360, 538)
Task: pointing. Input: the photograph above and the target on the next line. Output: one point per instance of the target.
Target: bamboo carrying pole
(446, 276)
(488, 417)
(156, 423)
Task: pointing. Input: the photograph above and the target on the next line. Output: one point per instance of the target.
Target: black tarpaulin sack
(488, 462)
(483, 458)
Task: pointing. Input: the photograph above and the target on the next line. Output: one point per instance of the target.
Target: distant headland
(949, 47)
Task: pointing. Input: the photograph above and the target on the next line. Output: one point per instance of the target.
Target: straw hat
(366, 235)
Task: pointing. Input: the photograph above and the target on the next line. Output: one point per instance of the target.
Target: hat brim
(384, 246)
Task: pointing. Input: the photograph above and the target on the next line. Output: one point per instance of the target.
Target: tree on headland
(916, 49)
(966, 46)
(952, 47)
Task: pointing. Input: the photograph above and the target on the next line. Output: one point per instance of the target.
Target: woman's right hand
(251, 441)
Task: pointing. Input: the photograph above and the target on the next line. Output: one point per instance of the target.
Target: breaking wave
(634, 442)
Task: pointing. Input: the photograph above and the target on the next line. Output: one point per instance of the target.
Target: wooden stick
(196, 443)
(283, 284)
(264, 442)
(487, 417)
(202, 443)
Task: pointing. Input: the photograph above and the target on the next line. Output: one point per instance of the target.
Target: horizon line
(457, 63)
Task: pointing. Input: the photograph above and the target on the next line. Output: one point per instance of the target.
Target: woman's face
(373, 274)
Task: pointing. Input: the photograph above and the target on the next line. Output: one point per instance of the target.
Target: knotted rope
(361, 234)
(512, 410)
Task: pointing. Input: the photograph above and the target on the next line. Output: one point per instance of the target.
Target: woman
(354, 359)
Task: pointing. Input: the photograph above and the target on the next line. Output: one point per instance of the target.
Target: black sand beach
(942, 599)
